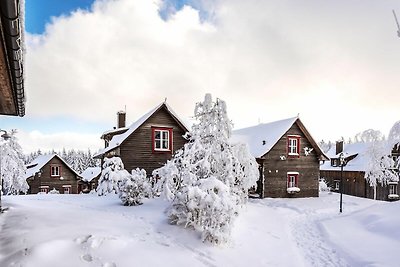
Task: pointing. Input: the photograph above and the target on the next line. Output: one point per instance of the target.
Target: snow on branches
(12, 167)
(132, 188)
(208, 179)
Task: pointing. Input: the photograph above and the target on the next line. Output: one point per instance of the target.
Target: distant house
(50, 171)
(354, 183)
(90, 179)
(288, 158)
(149, 142)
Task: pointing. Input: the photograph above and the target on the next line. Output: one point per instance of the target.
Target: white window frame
(162, 140)
(337, 185)
(393, 189)
(44, 189)
(293, 145)
(54, 170)
(68, 187)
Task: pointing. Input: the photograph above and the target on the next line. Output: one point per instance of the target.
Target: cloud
(330, 61)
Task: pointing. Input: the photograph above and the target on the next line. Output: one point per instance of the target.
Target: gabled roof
(117, 140)
(263, 137)
(90, 173)
(357, 150)
(40, 162)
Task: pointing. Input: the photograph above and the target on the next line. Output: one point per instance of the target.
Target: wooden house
(48, 172)
(12, 99)
(288, 158)
(149, 142)
(89, 180)
(354, 182)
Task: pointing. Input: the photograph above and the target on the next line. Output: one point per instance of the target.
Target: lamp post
(5, 136)
(342, 163)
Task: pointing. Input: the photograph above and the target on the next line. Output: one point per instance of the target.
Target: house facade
(149, 142)
(288, 158)
(354, 182)
(89, 180)
(48, 172)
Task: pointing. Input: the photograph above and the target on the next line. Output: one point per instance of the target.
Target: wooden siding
(136, 151)
(354, 184)
(275, 170)
(45, 179)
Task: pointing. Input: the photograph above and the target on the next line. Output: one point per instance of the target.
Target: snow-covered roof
(256, 135)
(359, 163)
(90, 173)
(40, 161)
(115, 130)
(117, 140)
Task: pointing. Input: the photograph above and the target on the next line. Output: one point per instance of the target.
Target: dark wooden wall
(136, 151)
(275, 170)
(45, 178)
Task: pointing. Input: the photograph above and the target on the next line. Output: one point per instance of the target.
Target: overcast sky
(336, 63)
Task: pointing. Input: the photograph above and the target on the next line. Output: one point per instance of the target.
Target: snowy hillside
(87, 230)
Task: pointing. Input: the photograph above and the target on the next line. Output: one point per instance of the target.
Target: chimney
(339, 147)
(121, 117)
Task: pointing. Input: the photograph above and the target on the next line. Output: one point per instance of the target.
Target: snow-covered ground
(87, 230)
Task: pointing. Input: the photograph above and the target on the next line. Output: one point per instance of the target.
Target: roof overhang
(12, 95)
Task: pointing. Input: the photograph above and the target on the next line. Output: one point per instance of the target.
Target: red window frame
(51, 170)
(296, 179)
(153, 141)
(293, 155)
(44, 189)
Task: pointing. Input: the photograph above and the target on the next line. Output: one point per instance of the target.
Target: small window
(293, 145)
(162, 139)
(292, 180)
(44, 189)
(66, 189)
(337, 185)
(55, 170)
(392, 189)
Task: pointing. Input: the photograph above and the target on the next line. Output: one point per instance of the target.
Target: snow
(292, 190)
(40, 161)
(90, 173)
(261, 138)
(87, 230)
(359, 163)
(118, 139)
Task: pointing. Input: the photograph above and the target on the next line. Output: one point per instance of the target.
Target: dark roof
(11, 37)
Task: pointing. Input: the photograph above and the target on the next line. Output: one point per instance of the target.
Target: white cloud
(334, 62)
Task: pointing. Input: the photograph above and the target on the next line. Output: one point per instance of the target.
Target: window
(66, 189)
(292, 178)
(337, 185)
(55, 170)
(43, 189)
(162, 139)
(293, 145)
(392, 189)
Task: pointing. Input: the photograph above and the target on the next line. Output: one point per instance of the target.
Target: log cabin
(354, 182)
(288, 158)
(48, 172)
(149, 142)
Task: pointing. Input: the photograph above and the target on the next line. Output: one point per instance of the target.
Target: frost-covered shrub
(208, 158)
(133, 188)
(113, 172)
(54, 191)
(323, 186)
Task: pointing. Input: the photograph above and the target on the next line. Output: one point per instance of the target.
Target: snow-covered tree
(12, 166)
(208, 168)
(369, 135)
(133, 188)
(393, 143)
(112, 173)
(379, 168)
(325, 146)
